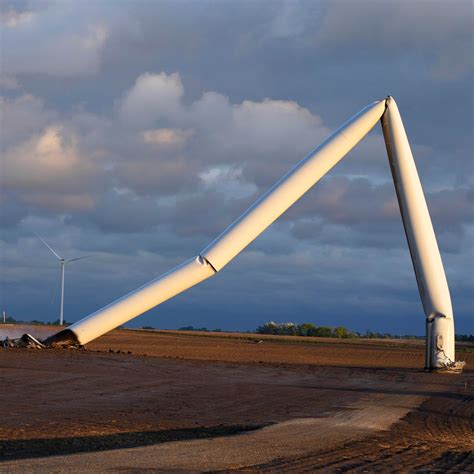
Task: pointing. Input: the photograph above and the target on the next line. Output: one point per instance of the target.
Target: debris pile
(448, 365)
(26, 341)
(454, 367)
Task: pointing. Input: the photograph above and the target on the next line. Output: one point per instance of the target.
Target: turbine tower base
(440, 348)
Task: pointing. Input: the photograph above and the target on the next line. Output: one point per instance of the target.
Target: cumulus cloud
(50, 159)
(55, 161)
(47, 171)
(228, 181)
(40, 41)
(152, 97)
(23, 116)
(264, 137)
(167, 137)
(199, 153)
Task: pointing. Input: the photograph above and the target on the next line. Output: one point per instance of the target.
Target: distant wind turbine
(63, 264)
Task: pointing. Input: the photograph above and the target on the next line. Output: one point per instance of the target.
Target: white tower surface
(429, 270)
(421, 239)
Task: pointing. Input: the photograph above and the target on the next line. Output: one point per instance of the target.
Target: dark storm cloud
(402, 28)
(137, 132)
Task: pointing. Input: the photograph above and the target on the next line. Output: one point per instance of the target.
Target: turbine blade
(78, 258)
(47, 245)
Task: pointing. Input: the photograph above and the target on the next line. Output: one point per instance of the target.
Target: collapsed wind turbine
(426, 259)
(63, 263)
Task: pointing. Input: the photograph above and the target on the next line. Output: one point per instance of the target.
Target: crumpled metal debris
(26, 341)
(454, 367)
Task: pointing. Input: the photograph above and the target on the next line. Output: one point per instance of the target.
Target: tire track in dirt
(369, 414)
(438, 436)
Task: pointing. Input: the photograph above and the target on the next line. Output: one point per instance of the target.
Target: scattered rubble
(454, 367)
(26, 341)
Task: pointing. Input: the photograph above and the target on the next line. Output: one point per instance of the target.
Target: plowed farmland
(167, 400)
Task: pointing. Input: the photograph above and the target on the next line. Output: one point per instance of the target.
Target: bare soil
(171, 400)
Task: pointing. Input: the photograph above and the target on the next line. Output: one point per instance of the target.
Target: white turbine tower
(421, 239)
(63, 262)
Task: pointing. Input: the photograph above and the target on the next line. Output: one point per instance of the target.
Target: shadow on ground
(42, 447)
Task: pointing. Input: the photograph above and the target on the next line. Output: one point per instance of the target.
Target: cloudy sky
(136, 131)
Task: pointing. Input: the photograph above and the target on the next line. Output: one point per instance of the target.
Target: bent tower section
(425, 256)
(419, 231)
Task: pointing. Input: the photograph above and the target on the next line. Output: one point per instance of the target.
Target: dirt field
(149, 401)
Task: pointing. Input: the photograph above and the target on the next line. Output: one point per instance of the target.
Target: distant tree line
(281, 329)
(11, 320)
(311, 330)
(192, 328)
(304, 329)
